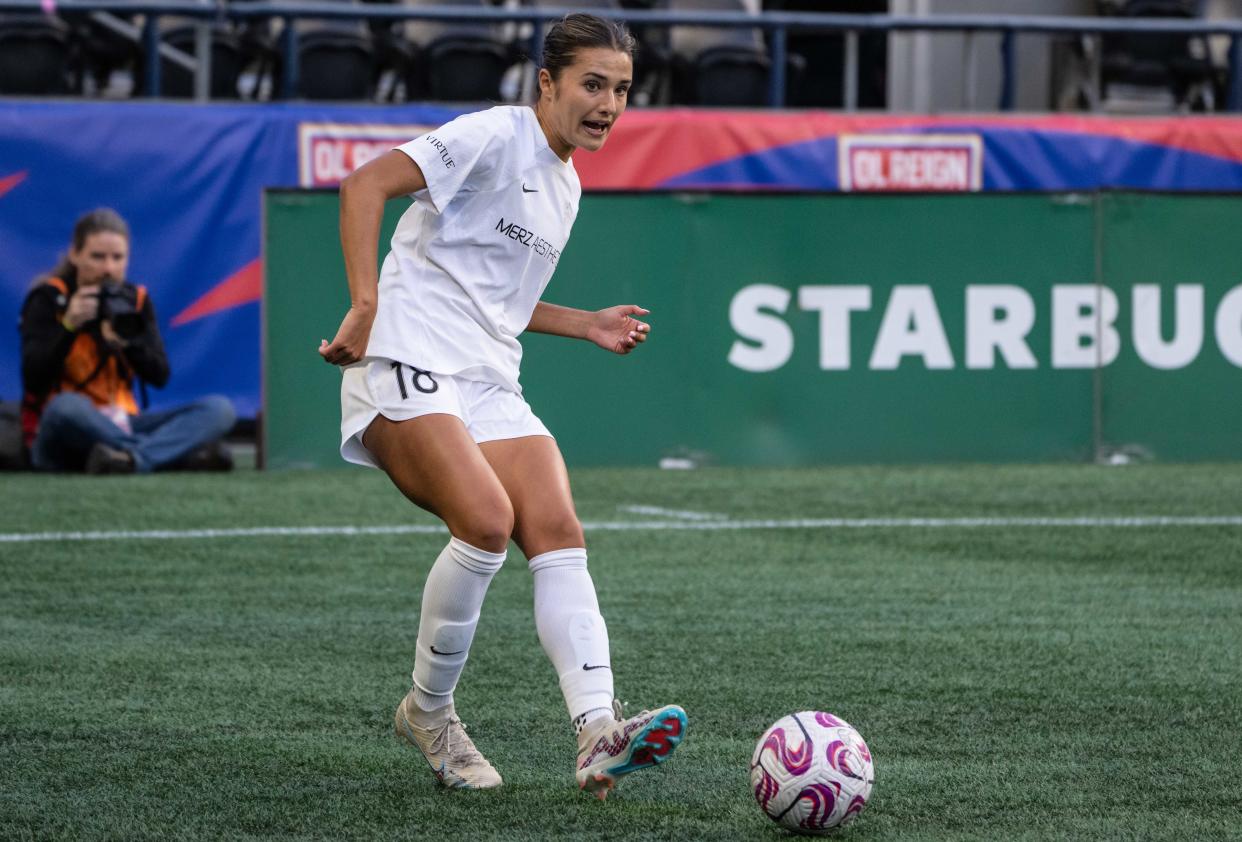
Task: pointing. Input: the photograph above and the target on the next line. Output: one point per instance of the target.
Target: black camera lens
(120, 308)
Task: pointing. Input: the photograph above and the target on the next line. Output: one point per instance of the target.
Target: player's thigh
(435, 463)
(533, 474)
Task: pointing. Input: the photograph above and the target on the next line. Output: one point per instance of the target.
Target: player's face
(103, 257)
(580, 108)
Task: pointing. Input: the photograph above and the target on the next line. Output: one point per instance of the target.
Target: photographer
(87, 334)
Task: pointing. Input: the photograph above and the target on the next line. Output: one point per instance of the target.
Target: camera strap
(105, 353)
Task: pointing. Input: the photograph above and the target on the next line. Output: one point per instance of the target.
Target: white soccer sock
(573, 633)
(452, 598)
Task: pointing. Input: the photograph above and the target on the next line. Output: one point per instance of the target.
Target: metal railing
(777, 26)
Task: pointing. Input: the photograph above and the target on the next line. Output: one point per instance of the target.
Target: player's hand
(83, 307)
(615, 329)
(350, 343)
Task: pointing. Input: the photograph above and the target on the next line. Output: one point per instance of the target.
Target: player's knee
(568, 532)
(488, 526)
(554, 532)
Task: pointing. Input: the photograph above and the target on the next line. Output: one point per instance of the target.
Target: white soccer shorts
(378, 386)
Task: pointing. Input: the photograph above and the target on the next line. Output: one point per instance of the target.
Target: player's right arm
(363, 194)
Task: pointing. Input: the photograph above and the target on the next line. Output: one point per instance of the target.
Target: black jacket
(56, 359)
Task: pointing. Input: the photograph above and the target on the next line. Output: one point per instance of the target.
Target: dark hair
(100, 219)
(580, 31)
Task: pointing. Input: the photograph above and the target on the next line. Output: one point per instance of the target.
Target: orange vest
(111, 385)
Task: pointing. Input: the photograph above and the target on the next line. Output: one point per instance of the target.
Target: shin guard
(452, 599)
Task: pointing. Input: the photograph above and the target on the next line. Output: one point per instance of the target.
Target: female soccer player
(430, 389)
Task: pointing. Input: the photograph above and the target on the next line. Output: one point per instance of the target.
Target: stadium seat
(818, 83)
(336, 59)
(34, 55)
(1177, 66)
(335, 65)
(457, 61)
(718, 66)
(227, 62)
(392, 53)
(731, 76)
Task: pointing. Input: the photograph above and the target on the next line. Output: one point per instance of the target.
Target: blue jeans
(71, 425)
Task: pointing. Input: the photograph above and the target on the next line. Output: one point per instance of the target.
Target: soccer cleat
(611, 747)
(447, 747)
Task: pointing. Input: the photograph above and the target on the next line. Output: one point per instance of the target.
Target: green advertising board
(819, 329)
(1173, 390)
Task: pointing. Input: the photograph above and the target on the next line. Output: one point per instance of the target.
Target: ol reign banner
(190, 180)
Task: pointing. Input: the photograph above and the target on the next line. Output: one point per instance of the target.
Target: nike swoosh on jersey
(526, 189)
(596, 667)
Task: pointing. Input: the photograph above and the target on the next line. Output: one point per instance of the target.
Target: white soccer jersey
(475, 251)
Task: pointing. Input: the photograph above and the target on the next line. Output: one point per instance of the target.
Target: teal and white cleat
(449, 751)
(610, 748)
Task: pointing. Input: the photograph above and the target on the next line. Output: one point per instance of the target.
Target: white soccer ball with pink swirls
(811, 772)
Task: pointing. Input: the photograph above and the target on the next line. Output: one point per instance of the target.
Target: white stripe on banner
(641, 525)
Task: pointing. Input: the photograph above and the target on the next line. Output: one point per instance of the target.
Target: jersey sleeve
(459, 155)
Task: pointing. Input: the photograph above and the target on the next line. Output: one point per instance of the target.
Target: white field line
(676, 514)
(648, 525)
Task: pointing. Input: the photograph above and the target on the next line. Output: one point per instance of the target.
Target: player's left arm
(613, 328)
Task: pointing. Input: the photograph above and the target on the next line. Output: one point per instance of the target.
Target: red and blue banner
(190, 180)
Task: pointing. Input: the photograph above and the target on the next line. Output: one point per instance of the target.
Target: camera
(118, 305)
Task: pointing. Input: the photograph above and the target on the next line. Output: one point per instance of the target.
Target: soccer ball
(811, 772)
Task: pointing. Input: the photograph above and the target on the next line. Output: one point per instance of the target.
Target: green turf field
(1013, 681)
